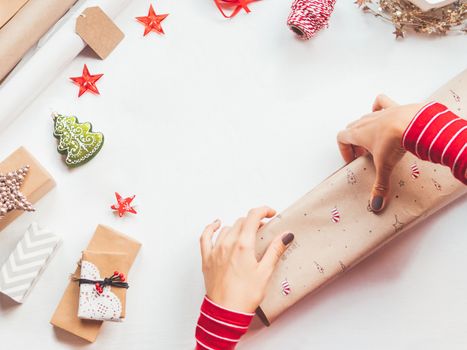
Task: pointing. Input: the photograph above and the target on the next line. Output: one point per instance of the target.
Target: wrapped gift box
(334, 228)
(37, 184)
(66, 317)
(426, 5)
(26, 263)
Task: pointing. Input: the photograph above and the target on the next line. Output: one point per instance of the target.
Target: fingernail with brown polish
(287, 238)
(377, 203)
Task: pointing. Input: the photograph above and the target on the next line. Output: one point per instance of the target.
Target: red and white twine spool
(285, 287)
(335, 216)
(309, 16)
(415, 171)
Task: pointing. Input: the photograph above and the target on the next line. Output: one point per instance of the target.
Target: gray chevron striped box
(20, 272)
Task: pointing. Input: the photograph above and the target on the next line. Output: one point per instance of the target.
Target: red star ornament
(152, 22)
(87, 82)
(123, 205)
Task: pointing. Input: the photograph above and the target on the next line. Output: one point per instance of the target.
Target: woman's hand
(233, 277)
(380, 134)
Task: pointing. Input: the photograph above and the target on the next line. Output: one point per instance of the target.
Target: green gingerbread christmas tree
(76, 140)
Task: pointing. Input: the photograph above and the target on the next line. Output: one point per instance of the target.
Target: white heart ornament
(92, 305)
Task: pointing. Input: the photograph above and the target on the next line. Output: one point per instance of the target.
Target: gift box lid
(426, 5)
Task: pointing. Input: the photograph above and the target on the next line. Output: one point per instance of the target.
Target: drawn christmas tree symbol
(76, 140)
(437, 185)
(343, 267)
(318, 267)
(351, 178)
(455, 96)
(397, 224)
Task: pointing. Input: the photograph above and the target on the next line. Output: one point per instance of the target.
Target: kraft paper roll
(23, 85)
(334, 230)
(26, 28)
(8, 9)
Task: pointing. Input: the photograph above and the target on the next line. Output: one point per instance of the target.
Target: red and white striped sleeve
(438, 135)
(219, 328)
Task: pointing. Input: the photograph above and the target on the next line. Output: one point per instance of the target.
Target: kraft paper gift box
(103, 302)
(334, 230)
(37, 183)
(65, 317)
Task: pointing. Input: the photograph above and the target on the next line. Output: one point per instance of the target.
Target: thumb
(275, 250)
(382, 102)
(380, 191)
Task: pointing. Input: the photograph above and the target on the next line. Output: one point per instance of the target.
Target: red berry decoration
(116, 273)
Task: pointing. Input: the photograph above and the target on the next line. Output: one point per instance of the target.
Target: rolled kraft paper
(37, 184)
(26, 28)
(334, 230)
(25, 84)
(8, 9)
(65, 317)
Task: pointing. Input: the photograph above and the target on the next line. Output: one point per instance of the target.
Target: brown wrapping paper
(65, 317)
(334, 230)
(110, 305)
(8, 9)
(25, 29)
(36, 184)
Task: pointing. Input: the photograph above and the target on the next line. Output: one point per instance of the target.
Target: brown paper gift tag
(333, 228)
(98, 31)
(8, 9)
(65, 317)
(37, 184)
(113, 305)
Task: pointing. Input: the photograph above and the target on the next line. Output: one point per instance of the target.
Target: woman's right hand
(380, 134)
(234, 278)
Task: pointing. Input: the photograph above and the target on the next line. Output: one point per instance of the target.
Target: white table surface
(209, 120)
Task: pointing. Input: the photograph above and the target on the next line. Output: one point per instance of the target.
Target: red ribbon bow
(238, 4)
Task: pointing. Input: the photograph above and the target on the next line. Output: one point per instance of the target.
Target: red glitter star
(152, 22)
(123, 205)
(87, 82)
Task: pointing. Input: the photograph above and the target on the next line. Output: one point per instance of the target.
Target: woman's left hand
(233, 277)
